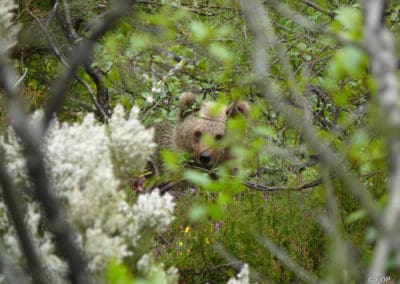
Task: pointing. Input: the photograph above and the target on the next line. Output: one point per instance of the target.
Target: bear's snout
(205, 158)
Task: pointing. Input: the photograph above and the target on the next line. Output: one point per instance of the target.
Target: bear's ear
(238, 108)
(187, 104)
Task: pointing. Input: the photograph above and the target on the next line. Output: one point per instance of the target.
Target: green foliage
(250, 215)
(169, 47)
(118, 274)
(348, 22)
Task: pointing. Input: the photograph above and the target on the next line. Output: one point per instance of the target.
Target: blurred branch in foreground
(31, 137)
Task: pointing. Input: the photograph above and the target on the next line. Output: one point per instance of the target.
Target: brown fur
(194, 121)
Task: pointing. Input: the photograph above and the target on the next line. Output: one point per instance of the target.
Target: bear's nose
(205, 157)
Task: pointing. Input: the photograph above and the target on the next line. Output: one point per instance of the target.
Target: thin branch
(21, 78)
(102, 100)
(283, 256)
(309, 185)
(61, 57)
(93, 97)
(259, 24)
(319, 8)
(12, 199)
(236, 263)
(53, 11)
(261, 187)
(47, 36)
(80, 54)
(196, 271)
(307, 24)
(380, 47)
(341, 259)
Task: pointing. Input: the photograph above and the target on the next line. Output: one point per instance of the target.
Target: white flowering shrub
(148, 267)
(243, 277)
(132, 143)
(154, 211)
(84, 146)
(12, 153)
(55, 267)
(86, 162)
(8, 31)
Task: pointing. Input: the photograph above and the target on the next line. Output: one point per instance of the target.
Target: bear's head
(196, 120)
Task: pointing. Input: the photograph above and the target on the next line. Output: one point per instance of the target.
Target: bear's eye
(197, 135)
(219, 136)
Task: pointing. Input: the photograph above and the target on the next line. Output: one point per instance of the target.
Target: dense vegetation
(316, 138)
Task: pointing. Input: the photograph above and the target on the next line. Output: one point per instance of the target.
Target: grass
(287, 218)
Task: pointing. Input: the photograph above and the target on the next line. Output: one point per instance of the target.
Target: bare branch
(80, 54)
(102, 100)
(260, 25)
(380, 47)
(235, 262)
(49, 39)
(61, 57)
(304, 275)
(308, 185)
(305, 23)
(265, 188)
(319, 8)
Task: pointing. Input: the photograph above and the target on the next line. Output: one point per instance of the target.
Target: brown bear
(197, 119)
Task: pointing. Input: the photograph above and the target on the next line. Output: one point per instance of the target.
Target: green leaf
(360, 139)
(170, 159)
(347, 62)
(118, 274)
(198, 213)
(221, 53)
(356, 216)
(348, 22)
(140, 41)
(348, 17)
(215, 211)
(158, 277)
(394, 16)
(201, 179)
(354, 60)
(371, 235)
(199, 30)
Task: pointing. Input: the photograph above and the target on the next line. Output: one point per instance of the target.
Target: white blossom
(100, 248)
(79, 157)
(15, 162)
(3, 217)
(150, 99)
(86, 162)
(55, 267)
(154, 211)
(156, 89)
(147, 266)
(8, 31)
(132, 144)
(243, 277)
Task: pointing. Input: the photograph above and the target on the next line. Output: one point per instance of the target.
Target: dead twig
(80, 54)
(319, 8)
